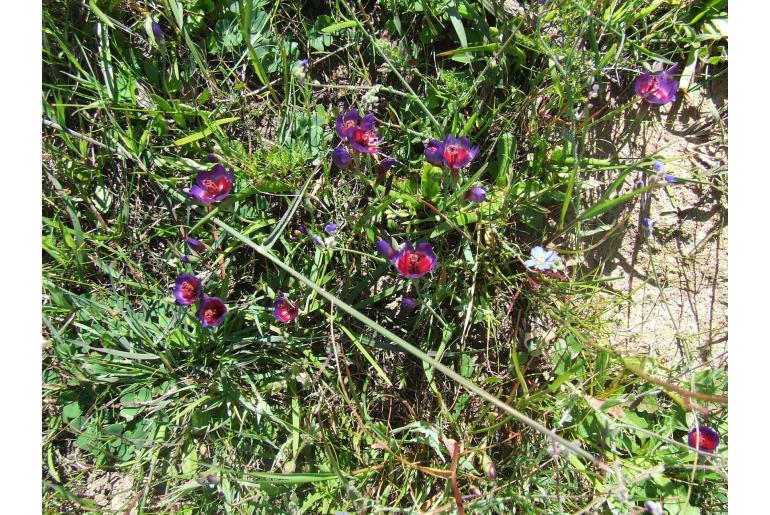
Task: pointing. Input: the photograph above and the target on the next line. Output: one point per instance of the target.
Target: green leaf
(430, 184)
(205, 132)
(454, 17)
(71, 411)
(336, 27)
(606, 205)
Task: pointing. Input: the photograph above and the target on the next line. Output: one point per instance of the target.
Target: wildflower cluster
(188, 290)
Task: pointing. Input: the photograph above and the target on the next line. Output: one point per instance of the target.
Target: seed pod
(488, 467)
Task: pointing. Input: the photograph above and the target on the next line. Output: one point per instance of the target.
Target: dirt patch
(112, 491)
(672, 278)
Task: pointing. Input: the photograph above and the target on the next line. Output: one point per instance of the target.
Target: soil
(674, 279)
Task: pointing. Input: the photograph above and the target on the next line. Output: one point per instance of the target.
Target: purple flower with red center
(414, 261)
(434, 152)
(384, 249)
(477, 194)
(347, 123)
(703, 438)
(187, 289)
(458, 152)
(211, 312)
(212, 186)
(658, 86)
(284, 311)
(341, 158)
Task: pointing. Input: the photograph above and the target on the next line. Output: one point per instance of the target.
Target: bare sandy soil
(674, 278)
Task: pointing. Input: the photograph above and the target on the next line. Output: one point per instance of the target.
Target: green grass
(356, 407)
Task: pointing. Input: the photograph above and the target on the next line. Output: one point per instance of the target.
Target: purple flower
(317, 241)
(413, 262)
(194, 244)
(385, 165)
(658, 165)
(284, 311)
(384, 249)
(347, 123)
(542, 259)
(434, 152)
(211, 158)
(408, 304)
(341, 158)
(157, 31)
(647, 224)
(458, 152)
(303, 229)
(211, 312)
(184, 259)
(703, 438)
(187, 289)
(658, 87)
(476, 194)
(212, 186)
(330, 228)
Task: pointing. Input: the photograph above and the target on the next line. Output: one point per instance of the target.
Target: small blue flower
(330, 228)
(670, 179)
(318, 241)
(658, 165)
(299, 69)
(184, 259)
(647, 224)
(653, 508)
(542, 259)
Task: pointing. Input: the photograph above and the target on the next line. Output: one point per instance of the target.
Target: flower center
(365, 138)
(210, 314)
(187, 290)
(412, 263)
(454, 155)
(217, 187)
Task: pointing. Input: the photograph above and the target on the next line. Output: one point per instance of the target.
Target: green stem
(393, 68)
